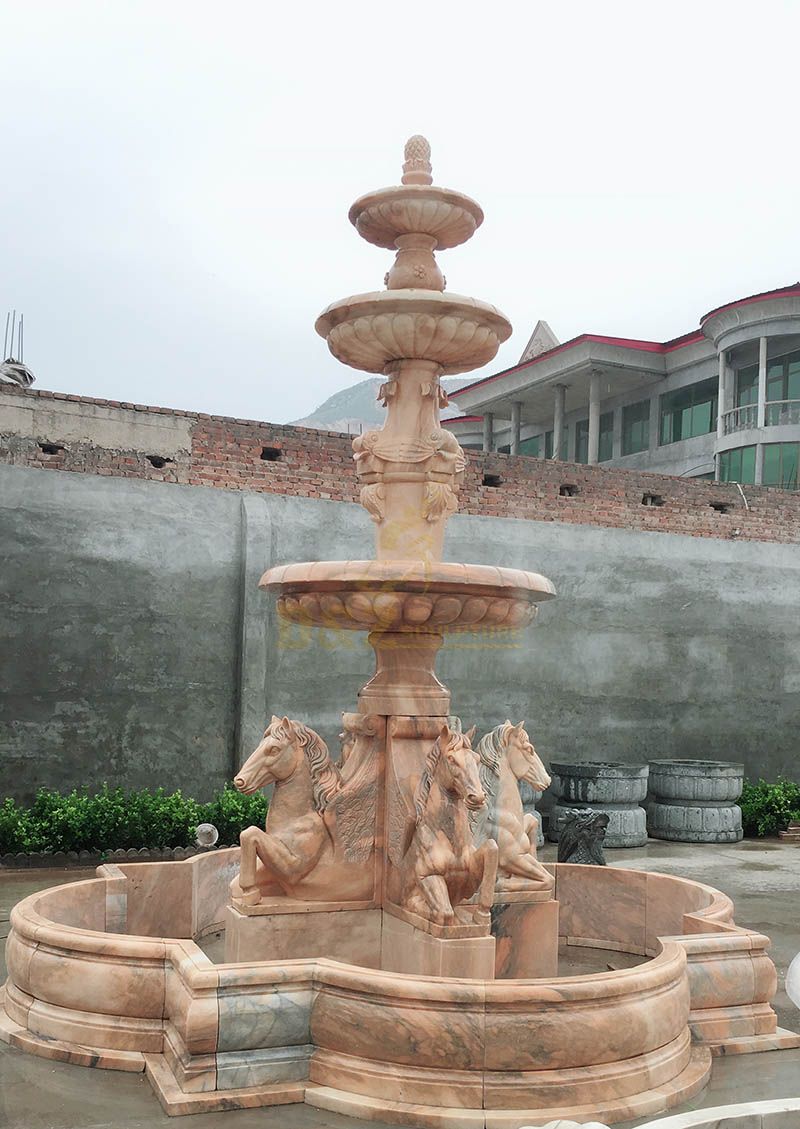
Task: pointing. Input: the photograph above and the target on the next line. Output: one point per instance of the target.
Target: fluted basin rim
(407, 596)
(415, 194)
(431, 302)
(408, 576)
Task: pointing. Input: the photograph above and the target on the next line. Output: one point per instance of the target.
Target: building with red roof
(722, 401)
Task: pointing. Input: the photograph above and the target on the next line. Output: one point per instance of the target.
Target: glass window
(636, 427)
(738, 465)
(783, 378)
(582, 441)
(689, 411)
(793, 377)
(548, 444)
(780, 465)
(606, 448)
(531, 446)
(747, 386)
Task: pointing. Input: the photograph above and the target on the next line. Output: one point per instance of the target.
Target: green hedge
(112, 819)
(768, 808)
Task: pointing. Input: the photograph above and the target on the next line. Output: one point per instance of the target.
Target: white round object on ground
(569, 1125)
(793, 981)
(206, 835)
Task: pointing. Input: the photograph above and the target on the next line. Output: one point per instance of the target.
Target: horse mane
(490, 751)
(423, 792)
(325, 778)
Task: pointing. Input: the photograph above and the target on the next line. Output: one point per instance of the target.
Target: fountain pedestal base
(352, 936)
(419, 953)
(404, 681)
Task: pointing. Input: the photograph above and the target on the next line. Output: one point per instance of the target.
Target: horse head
(458, 767)
(523, 759)
(275, 757)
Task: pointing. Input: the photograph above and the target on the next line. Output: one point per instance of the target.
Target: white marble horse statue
(507, 756)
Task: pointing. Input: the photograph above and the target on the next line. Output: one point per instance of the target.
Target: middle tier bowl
(406, 595)
(370, 331)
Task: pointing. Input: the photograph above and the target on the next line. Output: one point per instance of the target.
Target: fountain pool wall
(107, 972)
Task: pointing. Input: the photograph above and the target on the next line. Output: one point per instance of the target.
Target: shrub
(768, 808)
(112, 819)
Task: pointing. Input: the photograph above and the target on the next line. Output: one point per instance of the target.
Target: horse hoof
(250, 897)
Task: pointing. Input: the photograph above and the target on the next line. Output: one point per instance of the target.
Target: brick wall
(235, 454)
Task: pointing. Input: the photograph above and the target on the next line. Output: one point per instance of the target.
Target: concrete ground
(763, 878)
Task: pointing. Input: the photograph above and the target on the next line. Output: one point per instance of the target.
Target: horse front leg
(434, 890)
(530, 825)
(249, 891)
(283, 865)
(484, 867)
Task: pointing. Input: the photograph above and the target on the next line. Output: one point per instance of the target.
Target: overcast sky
(177, 176)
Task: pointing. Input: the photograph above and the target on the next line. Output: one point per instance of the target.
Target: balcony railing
(738, 419)
(777, 412)
(780, 412)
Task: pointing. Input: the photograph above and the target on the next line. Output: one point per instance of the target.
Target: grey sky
(173, 205)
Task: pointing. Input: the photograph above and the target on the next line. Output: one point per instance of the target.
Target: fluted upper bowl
(406, 596)
(368, 331)
(449, 217)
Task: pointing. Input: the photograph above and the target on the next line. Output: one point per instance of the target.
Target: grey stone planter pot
(530, 798)
(694, 801)
(607, 786)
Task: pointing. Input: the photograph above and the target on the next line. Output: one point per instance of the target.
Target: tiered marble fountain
(391, 939)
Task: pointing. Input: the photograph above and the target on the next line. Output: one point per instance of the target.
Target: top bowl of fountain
(416, 207)
(413, 319)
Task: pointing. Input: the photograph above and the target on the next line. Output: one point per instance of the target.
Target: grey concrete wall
(137, 648)
(658, 646)
(119, 632)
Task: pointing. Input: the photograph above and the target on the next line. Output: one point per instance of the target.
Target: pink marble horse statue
(507, 756)
(442, 867)
(296, 853)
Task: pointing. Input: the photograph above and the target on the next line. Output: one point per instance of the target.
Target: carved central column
(411, 467)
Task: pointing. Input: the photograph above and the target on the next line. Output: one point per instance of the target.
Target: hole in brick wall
(270, 454)
(51, 448)
(158, 461)
(492, 480)
(652, 500)
(568, 490)
(721, 507)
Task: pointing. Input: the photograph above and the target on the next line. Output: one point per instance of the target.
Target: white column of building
(594, 418)
(516, 420)
(762, 382)
(655, 421)
(721, 406)
(488, 428)
(558, 421)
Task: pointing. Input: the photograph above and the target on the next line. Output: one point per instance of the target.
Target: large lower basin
(409, 596)
(108, 972)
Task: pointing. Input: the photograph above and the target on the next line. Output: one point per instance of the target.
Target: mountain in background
(356, 408)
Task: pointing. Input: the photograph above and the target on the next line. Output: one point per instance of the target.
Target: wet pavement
(762, 877)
